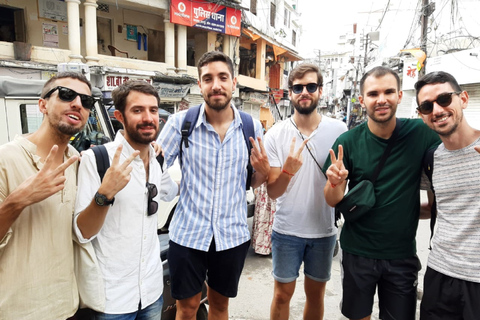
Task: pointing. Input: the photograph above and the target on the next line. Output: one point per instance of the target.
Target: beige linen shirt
(37, 278)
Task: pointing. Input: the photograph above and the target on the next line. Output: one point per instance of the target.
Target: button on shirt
(212, 200)
(127, 246)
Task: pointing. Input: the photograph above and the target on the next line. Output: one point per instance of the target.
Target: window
(273, 11)
(294, 38)
(253, 6)
(12, 24)
(286, 18)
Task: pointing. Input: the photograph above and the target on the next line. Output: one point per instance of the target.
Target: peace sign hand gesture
(295, 159)
(118, 175)
(337, 173)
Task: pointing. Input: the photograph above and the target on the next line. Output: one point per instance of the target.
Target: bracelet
(332, 185)
(285, 171)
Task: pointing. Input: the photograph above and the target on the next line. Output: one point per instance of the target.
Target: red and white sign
(113, 81)
(206, 15)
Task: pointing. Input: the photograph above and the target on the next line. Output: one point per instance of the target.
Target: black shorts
(447, 298)
(190, 267)
(397, 287)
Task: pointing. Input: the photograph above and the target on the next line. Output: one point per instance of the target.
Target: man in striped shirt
(452, 279)
(209, 232)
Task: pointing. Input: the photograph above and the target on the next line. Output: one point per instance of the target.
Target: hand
(477, 148)
(259, 158)
(118, 175)
(337, 173)
(157, 148)
(295, 159)
(48, 180)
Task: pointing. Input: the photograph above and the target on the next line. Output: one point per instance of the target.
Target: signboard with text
(113, 81)
(206, 15)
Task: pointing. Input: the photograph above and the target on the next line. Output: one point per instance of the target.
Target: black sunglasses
(68, 95)
(152, 193)
(298, 88)
(443, 100)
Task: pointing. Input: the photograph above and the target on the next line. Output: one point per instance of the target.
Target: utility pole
(427, 10)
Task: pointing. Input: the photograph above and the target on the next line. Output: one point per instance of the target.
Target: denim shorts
(152, 312)
(288, 253)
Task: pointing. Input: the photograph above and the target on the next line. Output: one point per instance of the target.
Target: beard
(383, 119)
(215, 104)
(64, 129)
(452, 129)
(140, 138)
(305, 110)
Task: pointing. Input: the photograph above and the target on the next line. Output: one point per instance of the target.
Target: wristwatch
(102, 200)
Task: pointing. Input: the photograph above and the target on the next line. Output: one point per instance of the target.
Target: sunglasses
(443, 100)
(152, 193)
(298, 88)
(68, 95)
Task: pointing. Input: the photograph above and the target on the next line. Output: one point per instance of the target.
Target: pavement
(256, 286)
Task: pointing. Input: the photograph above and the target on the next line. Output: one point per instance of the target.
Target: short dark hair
(213, 56)
(49, 85)
(379, 72)
(120, 93)
(434, 78)
(302, 69)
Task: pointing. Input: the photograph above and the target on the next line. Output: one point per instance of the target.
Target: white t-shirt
(456, 240)
(302, 210)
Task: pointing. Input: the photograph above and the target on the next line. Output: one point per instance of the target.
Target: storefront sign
(168, 90)
(113, 81)
(277, 94)
(206, 15)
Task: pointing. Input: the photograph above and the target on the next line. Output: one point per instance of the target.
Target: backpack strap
(103, 162)
(248, 131)
(428, 169)
(187, 127)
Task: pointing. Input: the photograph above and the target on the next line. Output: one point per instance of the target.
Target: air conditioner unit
(74, 67)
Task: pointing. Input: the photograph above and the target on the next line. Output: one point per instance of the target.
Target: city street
(256, 286)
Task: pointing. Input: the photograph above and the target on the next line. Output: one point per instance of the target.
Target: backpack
(103, 162)
(247, 128)
(428, 169)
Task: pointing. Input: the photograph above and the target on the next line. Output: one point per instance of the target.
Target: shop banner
(113, 81)
(206, 15)
(168, 90)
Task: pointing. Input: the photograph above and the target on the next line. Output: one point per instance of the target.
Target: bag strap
(428, 169)
(248, 131)
(386, 153)
(187, 127)
(101, 157)
(308, 148)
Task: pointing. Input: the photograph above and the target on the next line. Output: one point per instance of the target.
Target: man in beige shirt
(37, 198)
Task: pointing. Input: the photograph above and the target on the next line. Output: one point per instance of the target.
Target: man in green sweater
(379, 248)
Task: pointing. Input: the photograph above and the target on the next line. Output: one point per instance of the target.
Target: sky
(324, 21)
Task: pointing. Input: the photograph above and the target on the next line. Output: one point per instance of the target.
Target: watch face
(100, 199)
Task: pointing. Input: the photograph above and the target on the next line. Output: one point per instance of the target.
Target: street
(256, 286)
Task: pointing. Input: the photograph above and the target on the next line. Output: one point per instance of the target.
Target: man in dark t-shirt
(379, 248)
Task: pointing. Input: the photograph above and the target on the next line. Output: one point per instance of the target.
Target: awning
(278, 50)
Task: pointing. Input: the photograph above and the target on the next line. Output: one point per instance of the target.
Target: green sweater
(388, 230)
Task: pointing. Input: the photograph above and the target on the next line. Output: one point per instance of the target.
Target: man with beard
(303, 228)
(118, 214)
(37, 194)
(209, 236)
(378, 249)
(452, 280)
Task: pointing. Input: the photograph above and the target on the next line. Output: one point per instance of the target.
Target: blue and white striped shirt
(212, 200)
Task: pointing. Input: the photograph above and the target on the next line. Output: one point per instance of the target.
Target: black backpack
(248, 131)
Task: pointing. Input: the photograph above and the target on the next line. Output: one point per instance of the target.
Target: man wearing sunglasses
(118, 214)
(378, 249)
(37, 196)
(452, 280)
(303, 229)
